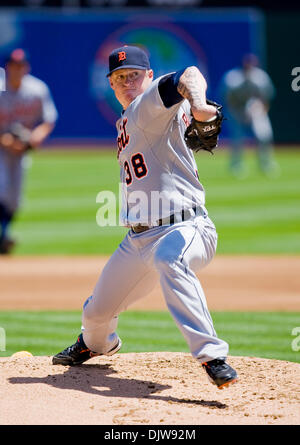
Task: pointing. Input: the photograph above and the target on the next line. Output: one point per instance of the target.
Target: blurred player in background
(247, 92)
(27, 117)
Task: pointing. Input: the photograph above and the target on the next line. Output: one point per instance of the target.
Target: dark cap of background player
(128, 57)
(18, 55)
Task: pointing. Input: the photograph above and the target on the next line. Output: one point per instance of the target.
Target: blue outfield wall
(69, 52)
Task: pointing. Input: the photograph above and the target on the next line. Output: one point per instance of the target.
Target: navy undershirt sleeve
(167, 88)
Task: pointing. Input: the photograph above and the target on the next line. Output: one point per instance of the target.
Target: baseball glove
(204, 135)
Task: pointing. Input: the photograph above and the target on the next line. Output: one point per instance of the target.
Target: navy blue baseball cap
(128, 57)
(18, 55)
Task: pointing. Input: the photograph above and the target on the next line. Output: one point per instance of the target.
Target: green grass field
(254, 215)
(256, 334)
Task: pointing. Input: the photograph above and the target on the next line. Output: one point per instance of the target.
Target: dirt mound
(160, 388)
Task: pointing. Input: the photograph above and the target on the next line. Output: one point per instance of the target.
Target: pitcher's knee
(165, 260)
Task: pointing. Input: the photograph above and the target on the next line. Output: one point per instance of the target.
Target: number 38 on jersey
(135, 168)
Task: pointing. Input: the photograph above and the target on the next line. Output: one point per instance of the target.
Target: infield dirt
(160, 388)
(230, 283)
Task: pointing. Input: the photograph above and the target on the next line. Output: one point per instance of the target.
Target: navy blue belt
(184, 215)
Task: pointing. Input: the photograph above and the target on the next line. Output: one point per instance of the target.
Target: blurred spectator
(247, 92)
(27, 117)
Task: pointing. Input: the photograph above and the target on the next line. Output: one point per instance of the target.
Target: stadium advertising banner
(69, 51)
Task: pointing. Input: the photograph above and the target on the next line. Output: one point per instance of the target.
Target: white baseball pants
(171, 254)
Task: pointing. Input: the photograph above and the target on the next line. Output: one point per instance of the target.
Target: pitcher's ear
(110, 82)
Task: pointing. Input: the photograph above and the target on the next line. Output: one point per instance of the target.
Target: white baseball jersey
(155, 161)
(30, 105)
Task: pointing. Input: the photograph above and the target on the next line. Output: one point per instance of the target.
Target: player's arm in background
(40, 133)
(48, 119)
(266, 89)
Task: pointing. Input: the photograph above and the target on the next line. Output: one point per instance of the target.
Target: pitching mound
(146, 388)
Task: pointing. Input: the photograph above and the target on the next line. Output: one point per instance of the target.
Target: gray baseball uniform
(247, 94)
(30, 105)
(161, 190)
(242, 90)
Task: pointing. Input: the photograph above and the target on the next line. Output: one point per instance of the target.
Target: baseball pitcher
(163, 122)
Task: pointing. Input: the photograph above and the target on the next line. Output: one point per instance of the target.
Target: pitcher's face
(128, 83)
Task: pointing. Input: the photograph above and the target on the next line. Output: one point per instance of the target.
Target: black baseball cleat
(220, 373)
(7, 245)
(79, 353)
